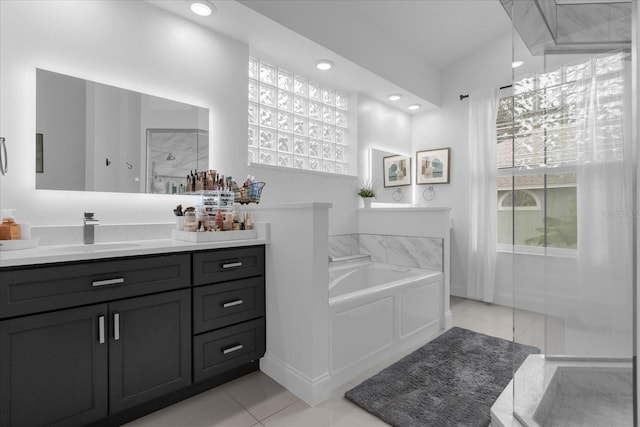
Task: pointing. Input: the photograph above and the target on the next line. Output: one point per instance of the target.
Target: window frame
(332, 155)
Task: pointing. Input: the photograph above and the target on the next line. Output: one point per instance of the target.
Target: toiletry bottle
(211, 176)
(9, 229)
(228, 222)
(219, 220)
(235, 217)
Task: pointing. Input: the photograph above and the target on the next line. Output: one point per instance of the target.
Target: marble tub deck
(568, 393)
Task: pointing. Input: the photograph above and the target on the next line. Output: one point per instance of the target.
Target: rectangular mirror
(96, 137)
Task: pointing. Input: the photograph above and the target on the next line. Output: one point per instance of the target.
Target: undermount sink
(95, 247)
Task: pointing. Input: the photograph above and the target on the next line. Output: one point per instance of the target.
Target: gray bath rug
(451, 381)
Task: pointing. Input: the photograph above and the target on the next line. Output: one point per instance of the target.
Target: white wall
(384, 128)
(132, 45)
(447, 126)
(136, 46)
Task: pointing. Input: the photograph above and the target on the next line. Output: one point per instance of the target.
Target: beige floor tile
(255, 400)
(334, 412)
(211, 408)
(259, 394)
(484, 327)
(379, 367)
(460, 305)
(533, 335)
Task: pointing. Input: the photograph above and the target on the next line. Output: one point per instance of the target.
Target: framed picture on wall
(432, 166)
(396, 170)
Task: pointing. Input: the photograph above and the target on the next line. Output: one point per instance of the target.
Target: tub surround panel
(406, 251)
(378, 311)
(433, 224)
(419, 252)
(420, 307)
(374, 320)
(374, 245)
(344, 245)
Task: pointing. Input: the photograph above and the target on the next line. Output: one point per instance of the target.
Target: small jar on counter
(190, 221)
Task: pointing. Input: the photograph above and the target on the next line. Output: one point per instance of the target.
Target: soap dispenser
(9, 229)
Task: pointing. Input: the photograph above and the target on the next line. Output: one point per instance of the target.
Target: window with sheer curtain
(537, 137)
(295, 122)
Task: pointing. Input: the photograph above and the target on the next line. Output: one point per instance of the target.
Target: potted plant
(367, 193)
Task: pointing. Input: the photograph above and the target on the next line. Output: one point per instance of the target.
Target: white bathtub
(379, 310)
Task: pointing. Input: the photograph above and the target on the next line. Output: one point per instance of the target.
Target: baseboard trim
(310, 390)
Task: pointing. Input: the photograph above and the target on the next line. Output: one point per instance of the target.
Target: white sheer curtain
(602, 311)
(483, 198)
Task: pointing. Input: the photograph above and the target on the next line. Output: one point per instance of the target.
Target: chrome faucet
(88, 235)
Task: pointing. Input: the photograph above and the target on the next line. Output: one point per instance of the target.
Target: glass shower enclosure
(566, 192)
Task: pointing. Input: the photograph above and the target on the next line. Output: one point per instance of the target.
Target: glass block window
(295, 122)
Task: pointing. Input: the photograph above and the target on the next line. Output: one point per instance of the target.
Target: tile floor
(256, 400)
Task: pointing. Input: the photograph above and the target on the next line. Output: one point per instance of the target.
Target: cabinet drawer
(32, 289)
(220, 305)
(227, 264)
(221, 350)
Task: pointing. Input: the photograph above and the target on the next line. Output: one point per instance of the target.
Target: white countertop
(66, 253)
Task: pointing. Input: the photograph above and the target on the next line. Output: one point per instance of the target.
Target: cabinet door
(53, 368)
(149, 348)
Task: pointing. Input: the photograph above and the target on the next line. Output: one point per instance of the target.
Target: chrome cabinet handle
(101, 329)
(232, 265)
(232, 303)
(232, 349)
(4, 158)
(108, 282)
(116, 326)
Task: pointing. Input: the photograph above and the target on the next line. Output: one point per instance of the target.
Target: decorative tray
(215, 236)
(14, 245)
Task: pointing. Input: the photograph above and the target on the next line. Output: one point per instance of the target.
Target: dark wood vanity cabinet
(228, 310)
(76, 366)
(53, 369)
(108, 358)
(149, 348)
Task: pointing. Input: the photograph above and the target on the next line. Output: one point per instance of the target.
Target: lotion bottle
(9, 229)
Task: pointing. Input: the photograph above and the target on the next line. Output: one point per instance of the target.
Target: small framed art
(396, 170)
(432, 166)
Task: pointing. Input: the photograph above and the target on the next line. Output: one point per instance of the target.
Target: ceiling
(379, 46)
(440, 31)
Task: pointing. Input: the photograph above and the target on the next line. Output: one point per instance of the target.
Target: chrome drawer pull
(232, 349)
(232, 265)
(101, 329)
(108, 282)
(232, 303)
(116, 326)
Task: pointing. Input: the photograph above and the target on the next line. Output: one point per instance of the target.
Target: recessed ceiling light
(414, 106)
(324, 64)
(395, 97)
(202, 8)
(516, 64)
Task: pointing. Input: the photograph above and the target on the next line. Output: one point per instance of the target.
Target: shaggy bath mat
(451, 381)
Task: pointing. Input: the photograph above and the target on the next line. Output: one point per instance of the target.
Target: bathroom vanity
(106, 337)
